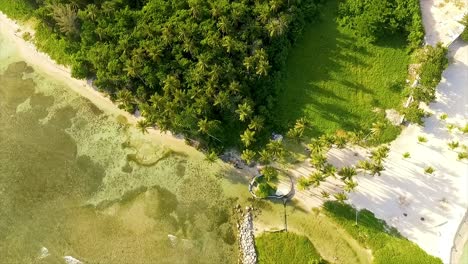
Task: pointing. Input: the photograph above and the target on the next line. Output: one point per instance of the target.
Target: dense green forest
(207, 69)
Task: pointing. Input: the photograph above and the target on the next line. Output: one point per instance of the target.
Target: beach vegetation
(464, 22)
(429, 170)
(387, 245)
(211, 156)
(462, 155)
(286, 247)
(270, 173)
(443, 116)
(248, 156)
(453, 144)
(347, 173)
(406, 155)
(340, 197)
(464, 129)
(422, 139)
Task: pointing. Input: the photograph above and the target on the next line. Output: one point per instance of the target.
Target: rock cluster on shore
(246, 238)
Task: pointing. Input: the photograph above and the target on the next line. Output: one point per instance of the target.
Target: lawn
(337, 81)
(285, 247)
(387, 245)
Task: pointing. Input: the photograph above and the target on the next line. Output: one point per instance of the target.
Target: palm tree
(276, 148)
(364, 165)
(377, 168)
(340, 197)
(264, 156)
(294, 134)
(270, 173)
(377, 129)
(316, 178)
(248, 156)
(244, 111)
(380, 154)
(143, 125)
(350, 185)
(347, 173)
(318, 160)
(303, 183)
(125, 99)
(256, 123)
(325, 194)
(277, 26)
(65, 16)
(453, 145)
(317, 146)
(248, 137)
(329, 170)
(211, 157)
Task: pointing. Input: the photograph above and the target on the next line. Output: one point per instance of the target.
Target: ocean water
(78, 182)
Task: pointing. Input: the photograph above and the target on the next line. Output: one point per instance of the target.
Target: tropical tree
(275, 147)
(317, 146)
(316, 178)
(376, 168)
(303, 183)
(248, 137)
(65, 15)
(379, 154)
(347, 173)
(318, 160)
(350, 185)
(244, 111)
(329, 170)
(256, 123)
(453, 145)
(143, 125)
(264, 156)
(364, 165)
(325, 194)
(211, 157)
(377, 129)
(248, 156)
(270, 173)
(340, 197)
(125, 100)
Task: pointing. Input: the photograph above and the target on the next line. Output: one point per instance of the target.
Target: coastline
(46, 65)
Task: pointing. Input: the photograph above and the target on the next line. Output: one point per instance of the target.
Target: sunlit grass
(337, 81)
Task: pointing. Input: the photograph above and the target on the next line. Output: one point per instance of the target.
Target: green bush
(376, 19)
(464, 21)
(285, 248)
(387, 245)
(16, 9)
(414, 114)
(434, 62)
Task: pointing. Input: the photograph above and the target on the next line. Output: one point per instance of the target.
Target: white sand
(441, 198)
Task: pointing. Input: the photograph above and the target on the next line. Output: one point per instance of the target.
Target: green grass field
(285, 247)
(337, 81)
(387, 245)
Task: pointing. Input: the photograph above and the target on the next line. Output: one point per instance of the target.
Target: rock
(71, 260)
(246, 239)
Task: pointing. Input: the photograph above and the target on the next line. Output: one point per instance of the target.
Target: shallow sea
(77, 181)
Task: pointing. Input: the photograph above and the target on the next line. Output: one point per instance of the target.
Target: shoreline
(46, 65)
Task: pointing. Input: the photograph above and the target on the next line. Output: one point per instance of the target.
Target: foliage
(270, 173)
(414, 114)
(183, 61)
(464, 21)
(17, 9)
(462, 155)
(211, 156)
(265, 189)
(336, 80)
(340, 197)
(303, 183)
(386, 244)
(248, 155)
(422, 139)
(286, 247)
(434, 62)
(143, 125)
(429, 170)
(347, 173)
(406, 155)
(453, 145)
(376, 19)
(464, 129)
(443, 116)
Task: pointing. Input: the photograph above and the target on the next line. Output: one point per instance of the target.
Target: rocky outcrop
(246, 239)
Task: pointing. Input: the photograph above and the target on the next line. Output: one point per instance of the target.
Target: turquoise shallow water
(76, 181)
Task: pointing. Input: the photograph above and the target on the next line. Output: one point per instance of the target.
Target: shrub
(464, 21)
(443, 116)
(464, 129)
(406, 155)
(462, 155)
(429, 170)
(422, 139)
(414, 114)
(270, 173)
(387, 245)
(453, 145)
(265, 189)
